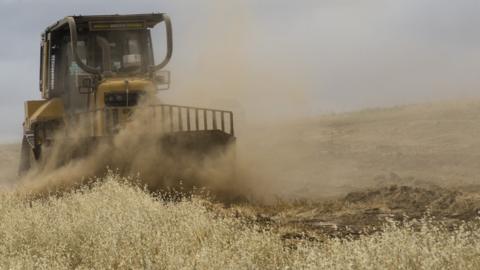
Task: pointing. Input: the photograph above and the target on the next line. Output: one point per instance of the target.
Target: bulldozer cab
(78, 52)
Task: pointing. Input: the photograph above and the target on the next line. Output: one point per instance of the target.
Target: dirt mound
(364, 212)
(411, 201)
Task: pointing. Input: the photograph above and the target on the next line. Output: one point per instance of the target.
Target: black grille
(122, 99)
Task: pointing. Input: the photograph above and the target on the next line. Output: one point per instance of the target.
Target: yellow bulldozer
(98, 68)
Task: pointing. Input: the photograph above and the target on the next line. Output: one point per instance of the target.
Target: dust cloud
(285, 148)
(265, 98)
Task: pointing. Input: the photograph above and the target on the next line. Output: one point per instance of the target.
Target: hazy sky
(273, 58)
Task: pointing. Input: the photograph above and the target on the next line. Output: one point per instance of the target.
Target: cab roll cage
(72, 25)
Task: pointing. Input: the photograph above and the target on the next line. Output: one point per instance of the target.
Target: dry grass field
(115, 225)
(378, 189)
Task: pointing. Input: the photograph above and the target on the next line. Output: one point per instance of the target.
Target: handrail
(189, 107)
(158, 105)
(173, 118)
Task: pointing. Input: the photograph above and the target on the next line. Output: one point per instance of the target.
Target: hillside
(327, 156)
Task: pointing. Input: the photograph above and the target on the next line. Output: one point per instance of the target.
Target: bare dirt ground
(347, 174)
(361, 212)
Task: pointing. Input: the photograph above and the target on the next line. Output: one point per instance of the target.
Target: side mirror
(85, 84)
(161, 79)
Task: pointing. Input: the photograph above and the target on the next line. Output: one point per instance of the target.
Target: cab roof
(109, 22)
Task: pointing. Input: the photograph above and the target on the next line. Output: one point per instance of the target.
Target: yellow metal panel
(31, 106)
(119, 85)
(50, 110)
